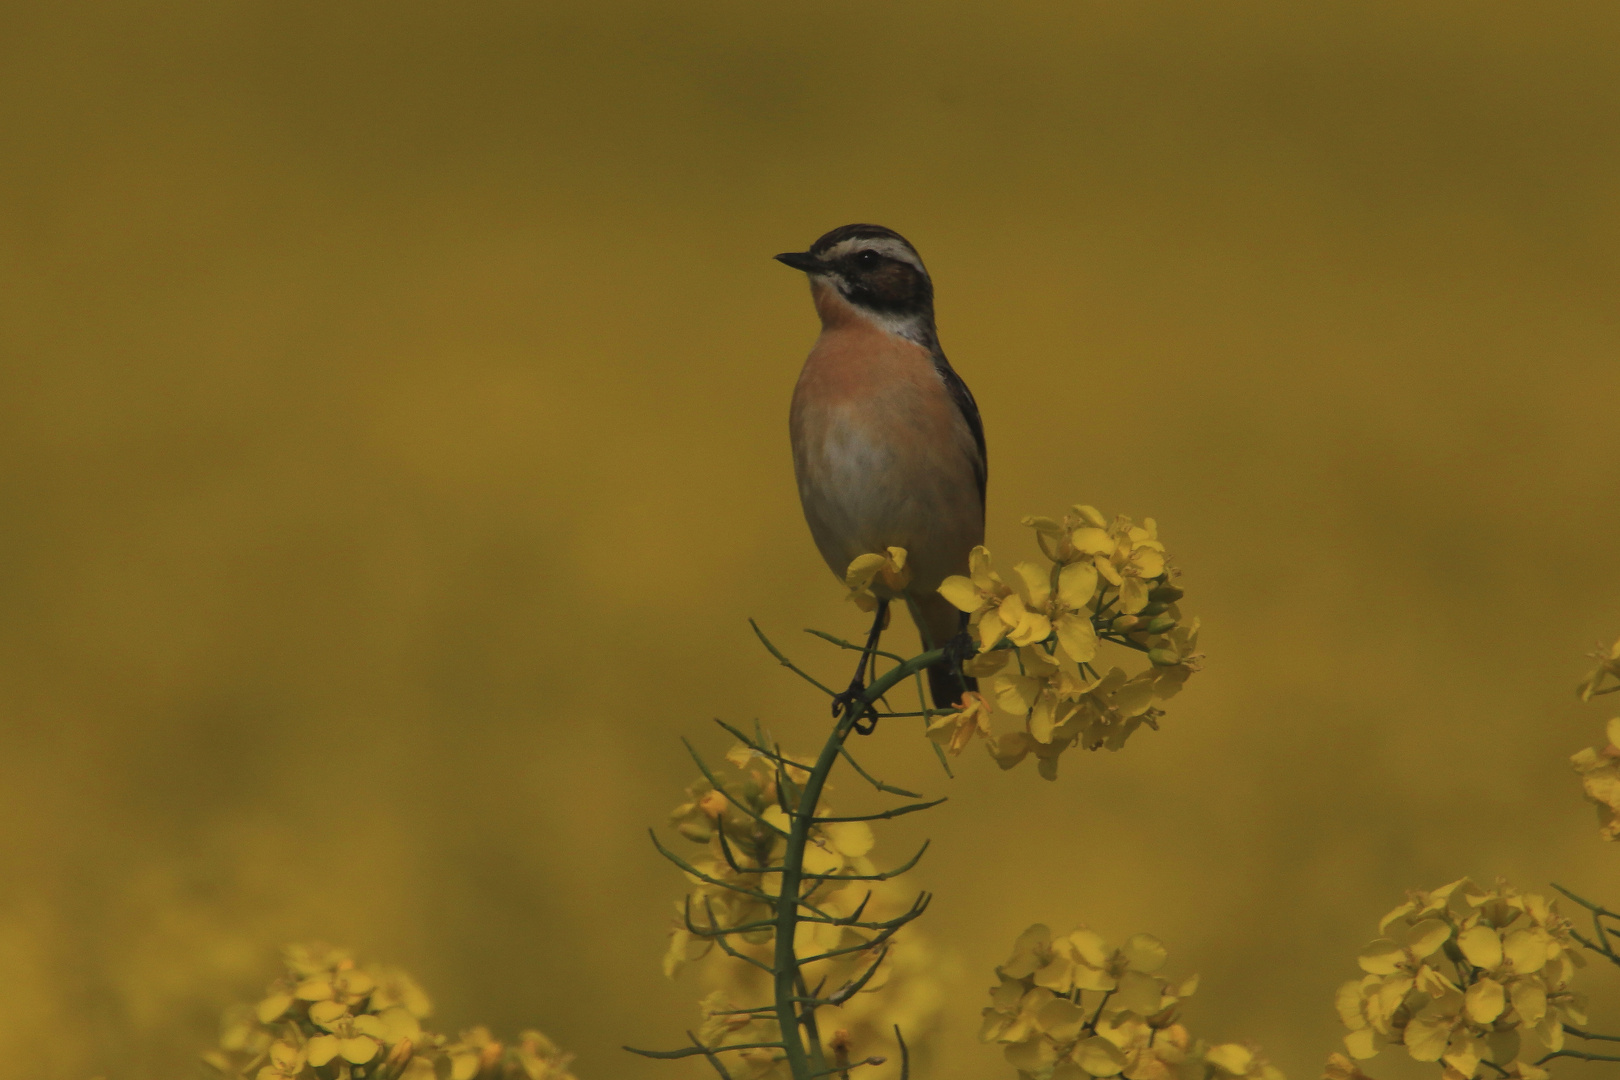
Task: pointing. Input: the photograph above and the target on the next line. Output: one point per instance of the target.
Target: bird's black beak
(800, 260)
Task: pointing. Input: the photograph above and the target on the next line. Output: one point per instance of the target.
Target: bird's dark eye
(867, 259)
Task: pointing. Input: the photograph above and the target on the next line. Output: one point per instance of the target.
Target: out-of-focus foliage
(328, 1018)
(1600, 779)
(733, 824)
(1605, 677)
(1477, 978)
(1073, 1007)
(1040, 634)
(1599, 767)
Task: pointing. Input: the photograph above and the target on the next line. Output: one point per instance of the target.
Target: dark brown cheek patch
(897, 284)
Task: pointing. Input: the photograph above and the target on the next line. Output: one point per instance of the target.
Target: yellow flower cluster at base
(1071, 1007)
(1600, 779)
(738, 825)
(330, 1019)
(1470, 977)
(1040, 631)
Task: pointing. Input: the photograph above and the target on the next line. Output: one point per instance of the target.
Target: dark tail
(946, 686)
(938, 623)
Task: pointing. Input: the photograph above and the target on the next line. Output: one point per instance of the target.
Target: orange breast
(881, 451)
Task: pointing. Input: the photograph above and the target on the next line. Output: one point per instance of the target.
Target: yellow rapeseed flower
(1469, 977)
(1040, 630)
(887, 570)
(1600, 779)
(328, 1016)
(955, 730)
(1597, 680)
(1073, 1007)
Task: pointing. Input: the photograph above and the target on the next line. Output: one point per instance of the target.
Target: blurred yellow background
(393, 426)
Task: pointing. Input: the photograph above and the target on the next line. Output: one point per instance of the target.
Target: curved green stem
(806, 1063)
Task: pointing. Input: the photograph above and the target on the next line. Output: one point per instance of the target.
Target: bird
(888, 444)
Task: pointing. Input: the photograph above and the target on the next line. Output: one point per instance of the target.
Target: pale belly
(909, 489)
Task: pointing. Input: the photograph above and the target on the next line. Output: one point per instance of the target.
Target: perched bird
(888, 446)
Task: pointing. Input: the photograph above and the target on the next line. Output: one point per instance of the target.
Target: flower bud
(1155, 608)
(1164, 657)
(1166, 593)
(1161, 623)
(398, 1058)
(1124, 624)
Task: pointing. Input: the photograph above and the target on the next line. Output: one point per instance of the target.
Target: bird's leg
(857, 686)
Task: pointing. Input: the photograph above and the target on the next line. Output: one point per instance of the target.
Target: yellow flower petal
(961, 593)
(1077, 637)
(1030, 629)
(1147, 562)
(1381, 957)
(1137, 993)
(979, 568)
(1092, 541)
(1016, 693)
(1099, 1057)
(1077, 584)
(1032, 1055)
(1091, 947)
(1481, 945)
(1230, 1058)
(1364, 1044)
(321, 1049)
(862, 569)
(1485, 1001)
(1426, 937)
(360, 1050)
(991, 630)
(851, 839)
(313, 990)
(1526, 950)
(328, 1013)
(1529, 1000)
(273, 1006)
(1090, 516)
(1145, 953)
(1061, 1019)
(1034, 584)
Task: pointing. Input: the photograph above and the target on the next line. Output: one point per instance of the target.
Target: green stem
(804, 1063)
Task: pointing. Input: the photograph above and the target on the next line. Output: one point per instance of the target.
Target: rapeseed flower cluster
(328, 1018)
(1471, 977)
(1071, 1007)
(1040, 629)
(737, 823)
(1600, 779)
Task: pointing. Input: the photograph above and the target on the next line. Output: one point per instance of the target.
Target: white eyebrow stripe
(883, 245)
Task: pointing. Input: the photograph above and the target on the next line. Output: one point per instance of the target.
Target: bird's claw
(866, 723)
(960, 649)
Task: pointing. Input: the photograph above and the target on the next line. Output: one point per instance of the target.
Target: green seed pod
(1164, 657)
(696, 831)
